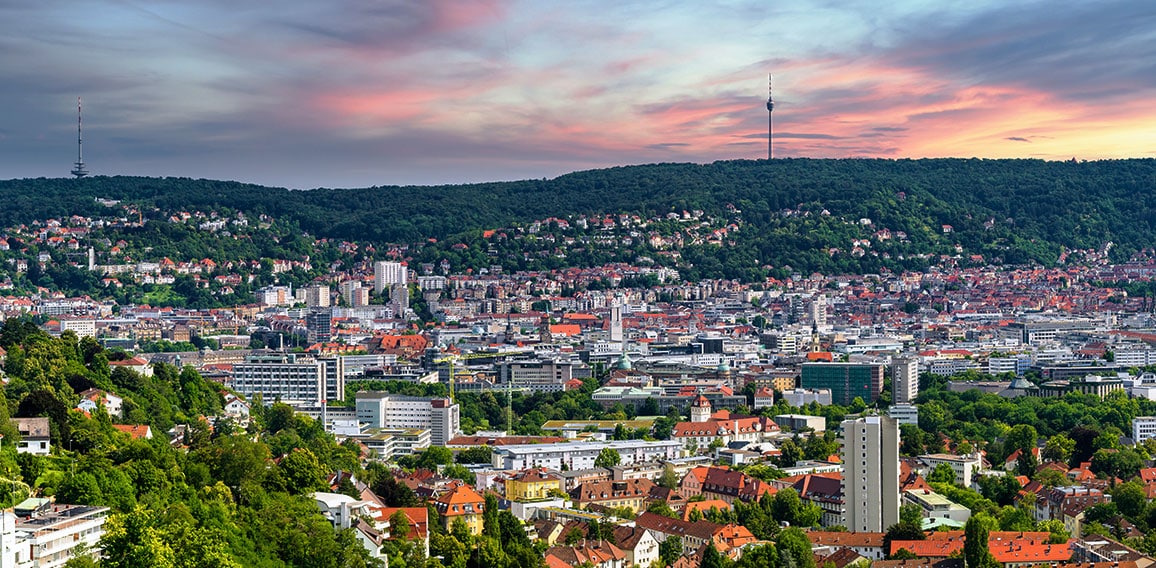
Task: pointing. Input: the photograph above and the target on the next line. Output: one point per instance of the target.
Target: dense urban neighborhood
(219, 387)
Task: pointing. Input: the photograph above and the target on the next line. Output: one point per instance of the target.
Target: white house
(92, 398)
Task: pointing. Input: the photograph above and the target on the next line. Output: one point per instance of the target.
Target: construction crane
(484, 355)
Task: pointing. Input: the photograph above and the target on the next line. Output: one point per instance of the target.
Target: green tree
(1059, 448)
(975, 547)
(1130, 498)
(302, 472)
(942, 474)
(793, 543)
(131, 540)
(607, 458)
(711, 558)
(670, 550)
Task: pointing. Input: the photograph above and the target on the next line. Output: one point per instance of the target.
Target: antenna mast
(770, 121)
(78, 168)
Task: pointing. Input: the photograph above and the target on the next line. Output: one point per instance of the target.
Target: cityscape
(512, 284)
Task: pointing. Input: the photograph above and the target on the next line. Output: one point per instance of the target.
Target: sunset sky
(354, 93)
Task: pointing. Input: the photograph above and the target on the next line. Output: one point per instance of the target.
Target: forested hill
(1006, 210)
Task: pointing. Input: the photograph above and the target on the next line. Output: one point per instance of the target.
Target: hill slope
(1009, 211)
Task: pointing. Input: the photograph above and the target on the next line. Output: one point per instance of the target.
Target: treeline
(1008, 211)
(228, 497)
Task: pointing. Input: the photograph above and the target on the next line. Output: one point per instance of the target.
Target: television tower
(78, 169)
(770, 120)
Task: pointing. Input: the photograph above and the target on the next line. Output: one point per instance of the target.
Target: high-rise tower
(78, 168)
(770, 121)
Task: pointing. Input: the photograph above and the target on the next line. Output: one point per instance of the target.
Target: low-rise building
(461, 502)
(581, 455)
(35, 436)
(40, 534)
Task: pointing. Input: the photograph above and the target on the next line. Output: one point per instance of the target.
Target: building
(870, 453)
(532, 484)
(537, 376)
(1143, 428)
(317, 296)
(904, 413)
(904, 380)
(280, 376)
(639, 544)
(936, 506)
(319, 325)
(386, 274)
(92, 398)
(630, 493)
(846, 381)
(802, 397)
(40, 534)
(800, 422)
(764, 397)
(964, 467)
(384, 410)
(581, 455)
(35, 436)
(463, 503)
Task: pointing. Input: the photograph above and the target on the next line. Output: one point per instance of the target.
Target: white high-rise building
(386, 274)
(870, 452)
(904, 380)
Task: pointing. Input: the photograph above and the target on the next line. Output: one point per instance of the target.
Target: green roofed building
(845, 380)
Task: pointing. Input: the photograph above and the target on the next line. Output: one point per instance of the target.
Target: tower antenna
(78, 168)
(770, 120)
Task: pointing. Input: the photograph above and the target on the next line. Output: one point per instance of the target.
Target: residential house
(595, 553)
(630, 493)
(730, 486)
(461, 502)
(35, 436)
(92, 398)
(136, 431)
(532, 484)
(639, 544)
(866, 544)
(1067, 504)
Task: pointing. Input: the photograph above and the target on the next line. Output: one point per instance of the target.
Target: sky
(359, 93)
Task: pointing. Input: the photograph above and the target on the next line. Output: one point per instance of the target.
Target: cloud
(1017, 139)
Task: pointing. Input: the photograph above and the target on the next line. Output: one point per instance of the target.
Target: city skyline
(356, 94)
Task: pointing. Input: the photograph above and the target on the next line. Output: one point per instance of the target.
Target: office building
(384, 410)
(904, 380)
(280, 376)
(319, 325)
(846, 381)
(537, 376)
(870, 453)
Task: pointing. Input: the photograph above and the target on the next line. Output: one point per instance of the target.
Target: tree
(668, 479)
(435, 456)
(911, 514)
(607, 458)
(1130, 498)
(1059, 448)
(712, 559)
(670, 550)
(942, 474)
(903, 530)
(477, 454)
(302, 472)
(131, 540)
(975, 547)
(792, 543)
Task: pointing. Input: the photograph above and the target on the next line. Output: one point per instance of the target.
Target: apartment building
(384, 410)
